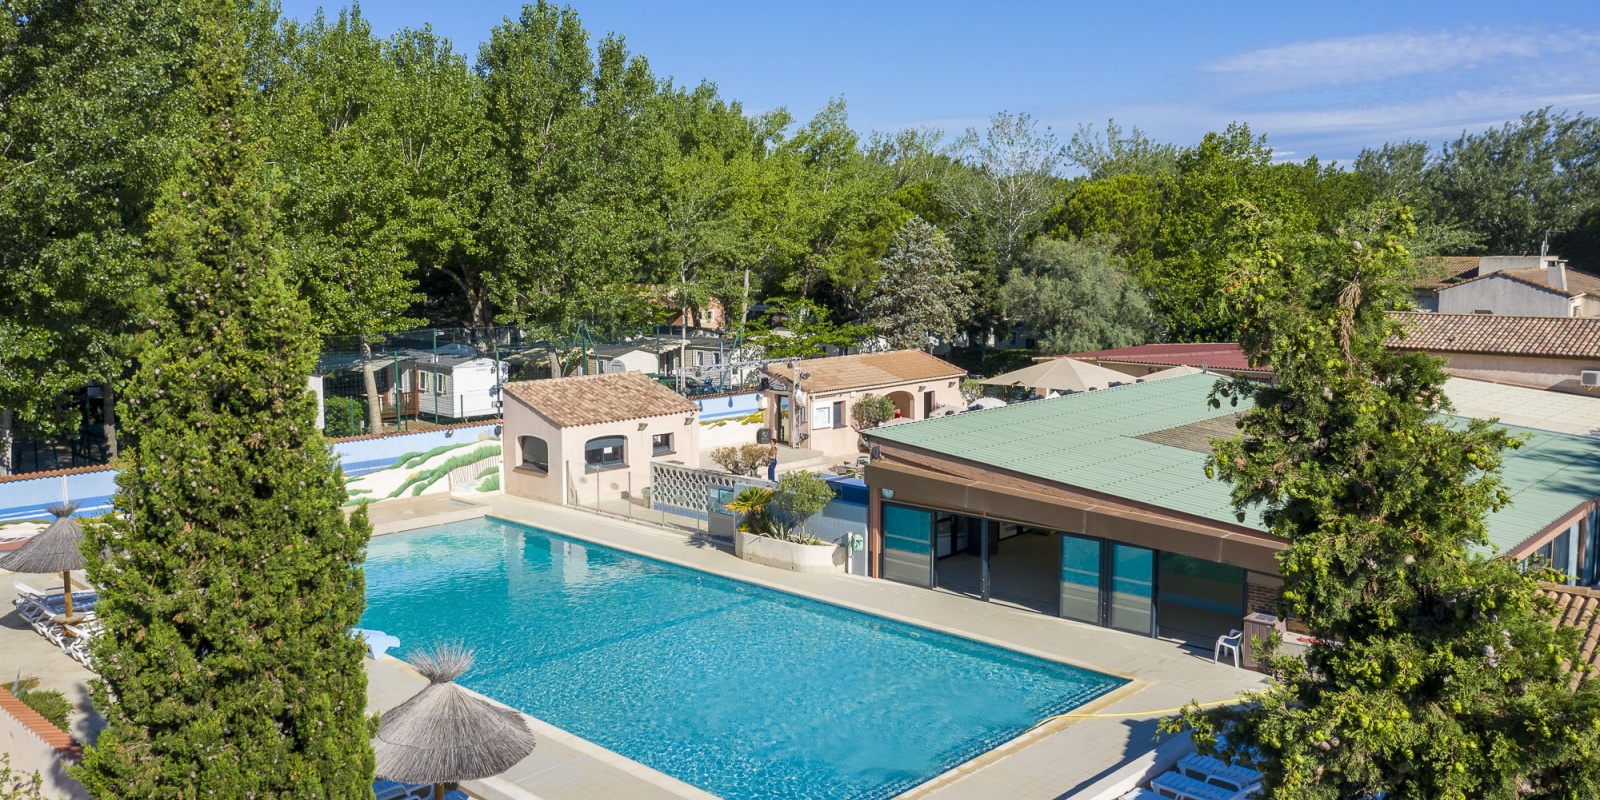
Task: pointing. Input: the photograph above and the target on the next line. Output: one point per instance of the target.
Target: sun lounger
(378, 642)
(1219, 773)
(390, 790)
(1173, 786)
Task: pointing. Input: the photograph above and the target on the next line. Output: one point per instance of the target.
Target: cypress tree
(229, 576)
(1436, 671)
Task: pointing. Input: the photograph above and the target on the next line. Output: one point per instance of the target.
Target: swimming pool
(740, 690)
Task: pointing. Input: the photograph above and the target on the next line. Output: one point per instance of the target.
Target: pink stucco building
(824, 390)
(590, 439)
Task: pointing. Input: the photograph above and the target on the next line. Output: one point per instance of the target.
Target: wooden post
(66, 589)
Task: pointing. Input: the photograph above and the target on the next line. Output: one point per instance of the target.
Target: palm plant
(751, 504)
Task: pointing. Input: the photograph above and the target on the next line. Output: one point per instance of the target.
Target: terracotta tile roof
(868, 371)
(1496, 334)
(67, 747)
(53, 473)
(1214, 355)
(1437, 273)
(595, 399)
(1580, 608)
(1578, 282)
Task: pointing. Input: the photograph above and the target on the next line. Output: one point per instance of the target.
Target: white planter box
(787, 555)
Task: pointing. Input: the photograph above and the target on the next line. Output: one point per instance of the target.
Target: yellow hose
(1132, 713)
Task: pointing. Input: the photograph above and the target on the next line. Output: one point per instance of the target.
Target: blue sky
(1324, 79)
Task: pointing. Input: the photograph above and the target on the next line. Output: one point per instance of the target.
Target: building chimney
(1555, 272)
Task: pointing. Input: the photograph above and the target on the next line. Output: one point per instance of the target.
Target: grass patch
(410, 460)
(490, 484)
(422, 480)
(356, 491)
(51, 705)
(360, 501)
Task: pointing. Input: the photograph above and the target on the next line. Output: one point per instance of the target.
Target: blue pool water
(740, 690)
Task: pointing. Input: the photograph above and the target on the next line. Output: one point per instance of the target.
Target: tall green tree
(344, 206)
(1435, 670)
(1079, 295)
(807, 328)
(922, 294)
(1515, 184)
(1010, 181)
(229, 576)
(87, 120)
(573, 160)
(1118, 152)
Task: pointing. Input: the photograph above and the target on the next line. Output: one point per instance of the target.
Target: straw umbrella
(58, 549)
(445, 734)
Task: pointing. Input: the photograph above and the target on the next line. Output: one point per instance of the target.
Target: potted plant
(772, 525)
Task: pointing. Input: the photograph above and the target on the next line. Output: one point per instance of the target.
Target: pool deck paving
(1053, 761)
(1050, 762)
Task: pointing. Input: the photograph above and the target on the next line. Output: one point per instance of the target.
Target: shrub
(871, 411)
(490, 484)
(343, 416)
(800, 496)
(753, 505)
(744, 459)
(51, 705)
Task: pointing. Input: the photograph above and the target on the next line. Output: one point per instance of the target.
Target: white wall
(1503, 295)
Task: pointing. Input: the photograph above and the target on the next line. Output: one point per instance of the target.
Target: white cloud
(1380, 56)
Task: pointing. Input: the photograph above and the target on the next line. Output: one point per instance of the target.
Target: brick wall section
(1261, 599)
(41, 727)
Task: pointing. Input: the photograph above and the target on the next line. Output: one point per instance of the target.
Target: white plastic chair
(1230, 644)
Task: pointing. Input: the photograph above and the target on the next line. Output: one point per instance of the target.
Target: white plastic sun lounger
(377, 642)
(1218, 773)
(1173, 786)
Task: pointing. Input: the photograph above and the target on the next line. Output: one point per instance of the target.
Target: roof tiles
(595, 399)
(1212, 355)
(868, 371)
(1496, 334)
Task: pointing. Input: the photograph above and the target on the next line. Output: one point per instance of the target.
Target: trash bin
(1260, 626)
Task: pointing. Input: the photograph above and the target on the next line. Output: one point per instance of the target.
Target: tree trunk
(5, 441)
(555, 364)
(369, 382)
(108, 404)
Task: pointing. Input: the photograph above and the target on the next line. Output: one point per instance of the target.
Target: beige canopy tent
(1061, 375)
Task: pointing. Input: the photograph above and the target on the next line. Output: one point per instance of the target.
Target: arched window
(535, 453)
(606, 452)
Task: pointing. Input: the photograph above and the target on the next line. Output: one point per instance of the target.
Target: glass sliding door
(908, 545)
(1080, 579)
(1132, 606)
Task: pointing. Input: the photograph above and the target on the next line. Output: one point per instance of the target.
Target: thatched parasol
(58, 549)
(445, 734)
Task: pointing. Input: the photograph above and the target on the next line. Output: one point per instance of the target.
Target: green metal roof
(1088, 440)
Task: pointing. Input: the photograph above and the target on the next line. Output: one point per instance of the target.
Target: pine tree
(1436, 671)
(229, 576)
(922, 293)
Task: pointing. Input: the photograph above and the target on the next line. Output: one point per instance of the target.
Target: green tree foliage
(87, 119)
(799, 496)
(922, 292)
(1078, 295)
(871, 411)
(1118, 153)
(1514, 183)
(570, 157)
(794, 328)
(1435, 671)
(229, 576)
(1126, 207)
(16, 785)
(1010, 182)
